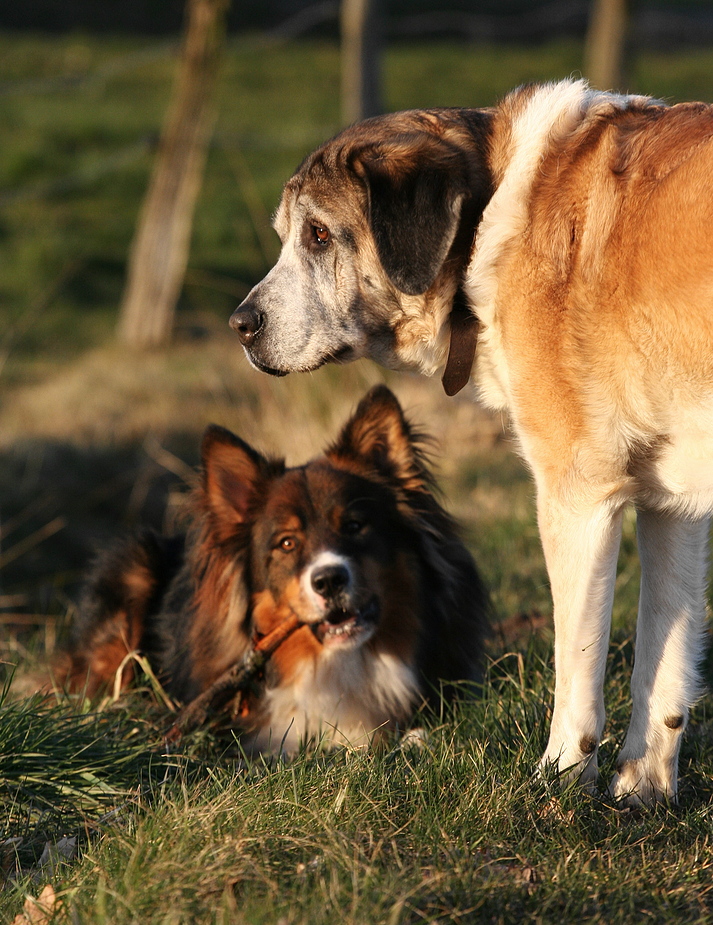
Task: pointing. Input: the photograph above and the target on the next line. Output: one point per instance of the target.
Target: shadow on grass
(60, 504)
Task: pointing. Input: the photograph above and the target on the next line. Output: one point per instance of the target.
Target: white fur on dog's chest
(342, 699)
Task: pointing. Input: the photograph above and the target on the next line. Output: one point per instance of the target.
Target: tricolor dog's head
(334, 541)
(376, 227)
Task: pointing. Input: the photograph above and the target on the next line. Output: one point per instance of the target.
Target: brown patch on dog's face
(302, 646)
(375, 227)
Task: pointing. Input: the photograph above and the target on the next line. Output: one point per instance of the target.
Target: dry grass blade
(169, 461)
(23, 546)
(156, 686)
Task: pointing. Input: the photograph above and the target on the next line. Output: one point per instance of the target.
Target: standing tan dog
(574, 230)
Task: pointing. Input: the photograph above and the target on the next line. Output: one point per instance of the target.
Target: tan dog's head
(376, 227)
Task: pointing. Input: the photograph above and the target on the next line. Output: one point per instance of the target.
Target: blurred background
(144, 147)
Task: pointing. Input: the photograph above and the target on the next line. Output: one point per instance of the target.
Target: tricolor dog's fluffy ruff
(353, 542)
(578, 227)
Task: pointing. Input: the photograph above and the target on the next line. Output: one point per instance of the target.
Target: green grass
(461, 831)
(58, 762)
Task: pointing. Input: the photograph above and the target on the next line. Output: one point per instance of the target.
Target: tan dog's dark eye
(322, 235)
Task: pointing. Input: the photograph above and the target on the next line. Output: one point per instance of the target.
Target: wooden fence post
(605, 47)
(361, 45)
(159, 252)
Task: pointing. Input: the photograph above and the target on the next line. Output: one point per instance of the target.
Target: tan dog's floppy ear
(416, 185)
(232, 472)
(379, 437)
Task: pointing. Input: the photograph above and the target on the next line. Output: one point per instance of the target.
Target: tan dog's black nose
(246, 322)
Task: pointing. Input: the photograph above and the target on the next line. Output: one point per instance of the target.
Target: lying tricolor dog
(571, 232)
(353, 542)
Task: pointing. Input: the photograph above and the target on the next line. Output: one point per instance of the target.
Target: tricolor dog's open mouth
(344, 627)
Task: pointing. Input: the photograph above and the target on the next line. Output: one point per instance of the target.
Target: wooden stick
(235, 679)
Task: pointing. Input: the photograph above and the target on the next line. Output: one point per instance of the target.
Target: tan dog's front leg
(581, 543)
(669, 647)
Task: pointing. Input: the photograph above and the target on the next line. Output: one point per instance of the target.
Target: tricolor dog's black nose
(329, 580)
(246, 321)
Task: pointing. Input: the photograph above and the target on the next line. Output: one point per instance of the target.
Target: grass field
(94, 440)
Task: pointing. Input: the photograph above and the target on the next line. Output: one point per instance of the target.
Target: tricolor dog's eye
(287, 544)
(322, 234)
(353, 525)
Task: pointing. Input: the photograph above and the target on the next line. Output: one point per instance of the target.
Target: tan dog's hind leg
(669, 631)
(581, 544)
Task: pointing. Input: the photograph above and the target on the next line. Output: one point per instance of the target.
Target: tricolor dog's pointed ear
(232, 474)
(379, 438)
(416, 185)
